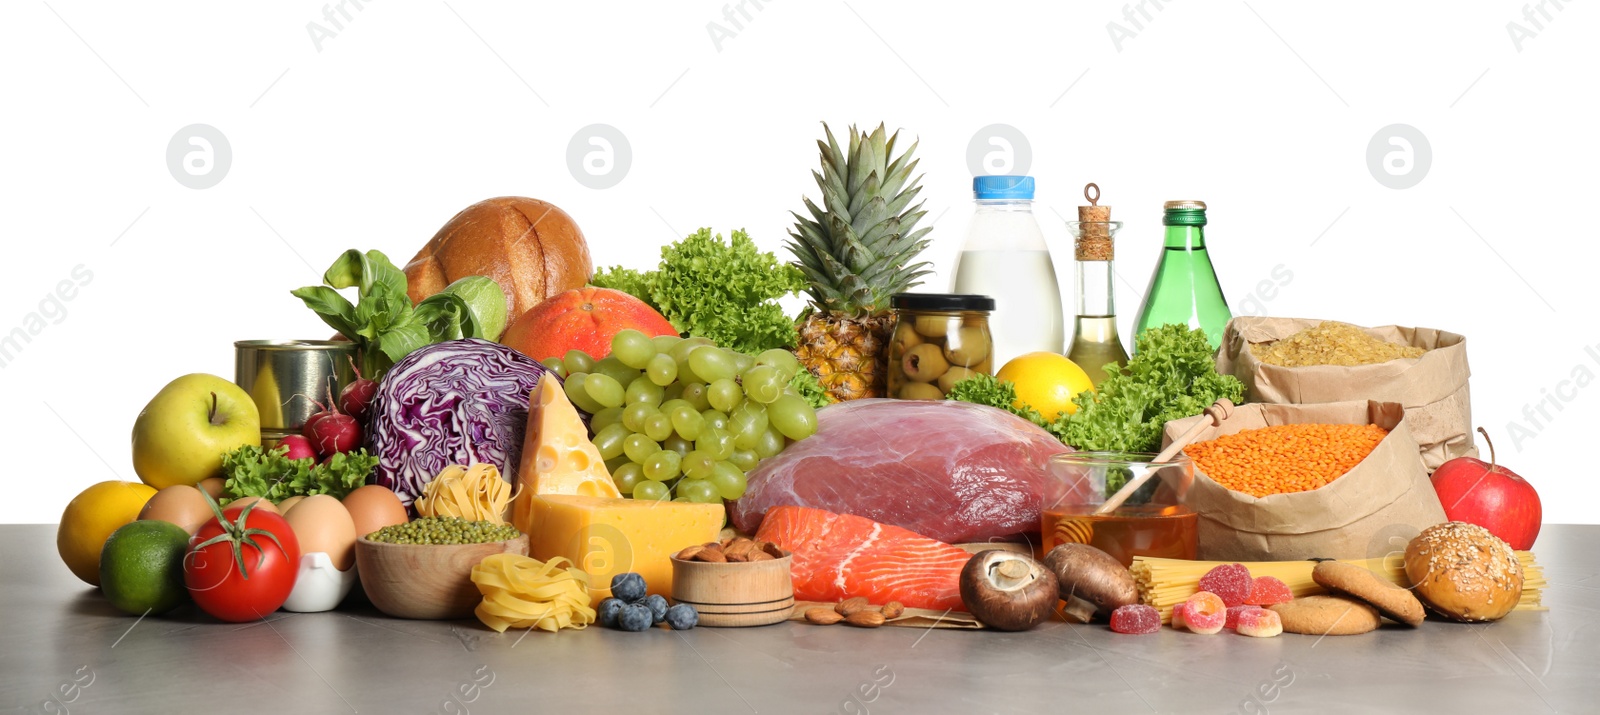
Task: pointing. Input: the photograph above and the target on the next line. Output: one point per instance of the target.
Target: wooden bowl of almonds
(734, 583)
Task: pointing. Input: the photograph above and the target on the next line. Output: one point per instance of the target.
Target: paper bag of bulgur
(1432, 387)
(1347, 518)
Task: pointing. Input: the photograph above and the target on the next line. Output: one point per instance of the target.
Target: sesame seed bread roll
(1463, 572)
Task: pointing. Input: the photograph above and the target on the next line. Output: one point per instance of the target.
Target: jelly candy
(1231, 583)
(1260, 623)
(1204, 613)
(1136, 619)
(1233, 615)
(1268, 590)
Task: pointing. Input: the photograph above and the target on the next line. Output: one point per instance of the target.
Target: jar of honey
(939, 340)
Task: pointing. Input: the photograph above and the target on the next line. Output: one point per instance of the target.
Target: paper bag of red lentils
(1342, 519)
(1432, 387)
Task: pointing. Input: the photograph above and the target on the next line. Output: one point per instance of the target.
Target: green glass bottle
(1184, 289)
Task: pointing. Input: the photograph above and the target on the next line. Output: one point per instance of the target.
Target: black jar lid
(943, 302)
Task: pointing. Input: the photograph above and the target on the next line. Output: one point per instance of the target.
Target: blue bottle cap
(1002, 187)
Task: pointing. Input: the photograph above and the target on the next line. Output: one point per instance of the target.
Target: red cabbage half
(455, 402)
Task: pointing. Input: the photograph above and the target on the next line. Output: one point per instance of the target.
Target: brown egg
(179, 504)
(263, 506)
(322, 524)
(287, 504)
(373, 507)
(213, 486)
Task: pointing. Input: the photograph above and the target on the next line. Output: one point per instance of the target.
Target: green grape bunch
(682, 419)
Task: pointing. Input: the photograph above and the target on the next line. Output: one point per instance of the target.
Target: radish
(356, 398)
(336, 432)
(299, 447)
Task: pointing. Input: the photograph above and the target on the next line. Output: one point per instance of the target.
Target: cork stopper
(1094, 237)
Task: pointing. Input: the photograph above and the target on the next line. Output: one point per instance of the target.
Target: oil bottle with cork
(1095, 342)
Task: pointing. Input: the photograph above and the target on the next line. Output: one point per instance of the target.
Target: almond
(823, 616)
(736, 557)
(893, 610)
(773, 549)
(760, 556)
(689, 553)
(714, 556)
(852, 605)
(865, 619)
(741, 547)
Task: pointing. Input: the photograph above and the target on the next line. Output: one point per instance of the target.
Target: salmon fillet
(839, 556)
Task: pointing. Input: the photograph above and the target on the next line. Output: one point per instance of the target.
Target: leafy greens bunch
(1172, 375)
(383, 323)
(251, 471)
(723, 291)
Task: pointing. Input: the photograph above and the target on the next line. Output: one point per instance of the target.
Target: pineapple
(855, 252)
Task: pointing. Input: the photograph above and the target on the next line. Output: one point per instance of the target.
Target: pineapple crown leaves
(856, 248)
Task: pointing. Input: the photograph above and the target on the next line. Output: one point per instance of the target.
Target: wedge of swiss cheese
(605, 536)
(557, 456)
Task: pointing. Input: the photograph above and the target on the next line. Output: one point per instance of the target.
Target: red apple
(1490, 496)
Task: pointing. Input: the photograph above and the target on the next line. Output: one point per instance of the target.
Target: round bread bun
(1463, 572)
(531, 248)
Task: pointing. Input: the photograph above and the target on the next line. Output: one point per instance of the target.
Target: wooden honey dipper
(1220, 410)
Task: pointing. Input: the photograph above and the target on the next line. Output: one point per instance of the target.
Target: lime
(141, 567)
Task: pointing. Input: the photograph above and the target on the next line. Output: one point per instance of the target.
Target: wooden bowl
(426, 582)
(732, 595)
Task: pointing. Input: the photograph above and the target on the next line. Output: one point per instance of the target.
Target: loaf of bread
(531, 248)
(1463, 572)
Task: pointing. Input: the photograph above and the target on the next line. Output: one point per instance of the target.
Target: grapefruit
(582, 319)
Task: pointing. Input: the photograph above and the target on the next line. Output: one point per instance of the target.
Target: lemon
(141, 567)
(1046, 382)
(89, 520)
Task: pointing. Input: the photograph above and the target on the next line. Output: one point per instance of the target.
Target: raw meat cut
(838, 556)
(952, 471)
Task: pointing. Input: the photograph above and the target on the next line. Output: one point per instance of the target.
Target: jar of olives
(939, 340)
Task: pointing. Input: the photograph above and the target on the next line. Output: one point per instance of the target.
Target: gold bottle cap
(1186, 204)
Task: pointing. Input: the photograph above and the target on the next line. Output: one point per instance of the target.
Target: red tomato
(212, 573)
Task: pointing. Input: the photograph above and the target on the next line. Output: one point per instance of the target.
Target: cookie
(1393, 601)
(1327, 615)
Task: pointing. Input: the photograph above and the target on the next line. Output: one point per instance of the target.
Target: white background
(411, 111)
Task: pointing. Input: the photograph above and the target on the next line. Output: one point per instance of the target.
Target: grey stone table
(64, 649)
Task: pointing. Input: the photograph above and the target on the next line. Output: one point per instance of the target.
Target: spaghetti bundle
(1164, 583)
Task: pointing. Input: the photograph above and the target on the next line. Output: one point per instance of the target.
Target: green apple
(181, 435)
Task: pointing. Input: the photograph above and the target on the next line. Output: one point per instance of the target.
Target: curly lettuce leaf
(1172, 375)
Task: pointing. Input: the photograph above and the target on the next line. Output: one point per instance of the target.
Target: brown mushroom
(1091, 581)
(1007, 590)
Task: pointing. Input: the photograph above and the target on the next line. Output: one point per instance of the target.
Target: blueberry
(608, 611)
(682, 617)
(658, 607)
(628, 586)
(634, 617)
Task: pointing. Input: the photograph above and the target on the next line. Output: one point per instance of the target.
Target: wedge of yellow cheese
(605, 537)
(557, 456)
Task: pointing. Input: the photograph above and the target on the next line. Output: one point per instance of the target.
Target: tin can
(287, 378)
